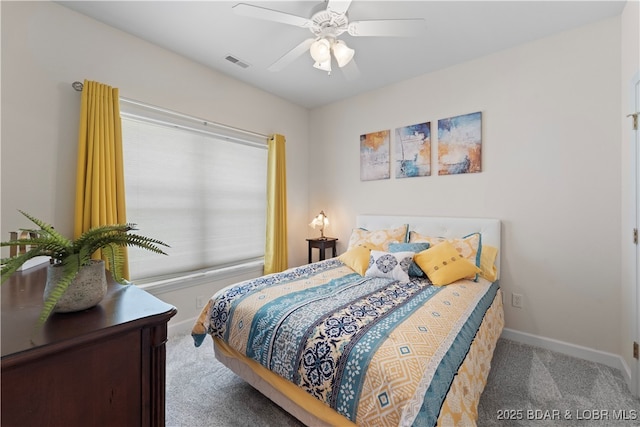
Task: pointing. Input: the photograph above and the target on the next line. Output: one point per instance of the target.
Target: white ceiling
(455, 31)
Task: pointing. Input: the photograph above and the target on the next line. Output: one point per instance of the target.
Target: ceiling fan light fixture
(320, 50)
(324, 66)
(327, 24)
(342, 53)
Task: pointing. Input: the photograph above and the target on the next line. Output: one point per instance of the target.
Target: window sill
(201, 277)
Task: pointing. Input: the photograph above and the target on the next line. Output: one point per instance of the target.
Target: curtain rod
(78, 86)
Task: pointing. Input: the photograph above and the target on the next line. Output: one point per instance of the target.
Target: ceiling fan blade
(291, 56)
(271, 15)
(386, 27)
(338, 6)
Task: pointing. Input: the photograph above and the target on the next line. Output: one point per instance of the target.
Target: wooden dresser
(104, 366)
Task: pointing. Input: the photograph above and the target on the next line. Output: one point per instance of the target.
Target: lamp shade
(320, 221)
(320, 50)
(324, 66)
(342, 53)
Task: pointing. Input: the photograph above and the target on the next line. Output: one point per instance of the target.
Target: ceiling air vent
(236, 61)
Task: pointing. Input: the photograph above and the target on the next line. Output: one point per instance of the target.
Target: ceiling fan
(326, 24)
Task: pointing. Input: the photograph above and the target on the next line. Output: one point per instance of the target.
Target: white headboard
(489, 228)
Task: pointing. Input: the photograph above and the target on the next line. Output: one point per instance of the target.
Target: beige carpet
(527, 386)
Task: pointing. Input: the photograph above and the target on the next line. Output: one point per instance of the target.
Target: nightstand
(322, 245)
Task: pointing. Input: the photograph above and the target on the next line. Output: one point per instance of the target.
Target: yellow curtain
(100, 172)
(276, 252)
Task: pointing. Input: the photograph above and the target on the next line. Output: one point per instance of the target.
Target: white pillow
(391, 265)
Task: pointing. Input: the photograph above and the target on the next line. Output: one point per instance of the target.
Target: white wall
(45, 47)
(630, 72)
(551, 172)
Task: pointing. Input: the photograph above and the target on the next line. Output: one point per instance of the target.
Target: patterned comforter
(371, 348)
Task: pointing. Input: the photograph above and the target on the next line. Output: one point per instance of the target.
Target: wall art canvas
(413, 150)
(460, 144)
(374, 156)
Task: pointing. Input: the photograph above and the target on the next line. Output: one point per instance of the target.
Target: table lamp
(320, 221)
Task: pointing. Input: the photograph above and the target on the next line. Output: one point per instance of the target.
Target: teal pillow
(414, 270)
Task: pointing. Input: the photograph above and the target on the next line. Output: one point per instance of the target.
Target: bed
(365, 338)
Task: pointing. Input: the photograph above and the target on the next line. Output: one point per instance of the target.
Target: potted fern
(75, 281)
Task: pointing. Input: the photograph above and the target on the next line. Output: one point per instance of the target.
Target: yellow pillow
(377, 240)
(443, 264)
(488, 262)
(357, 258)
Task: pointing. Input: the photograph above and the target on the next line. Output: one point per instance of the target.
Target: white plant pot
(85, 291)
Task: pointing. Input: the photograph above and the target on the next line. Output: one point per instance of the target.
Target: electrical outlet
(201, 301)
(516, 300)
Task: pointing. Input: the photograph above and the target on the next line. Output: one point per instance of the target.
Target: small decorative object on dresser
(75, 282)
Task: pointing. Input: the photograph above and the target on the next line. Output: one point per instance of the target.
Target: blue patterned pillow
(390, 265)
(414, 270)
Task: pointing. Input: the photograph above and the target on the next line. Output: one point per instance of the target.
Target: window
(199, 187)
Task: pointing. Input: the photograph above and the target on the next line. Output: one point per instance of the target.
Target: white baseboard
(609, 359)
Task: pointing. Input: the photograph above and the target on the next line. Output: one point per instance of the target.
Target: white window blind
(202, 192)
